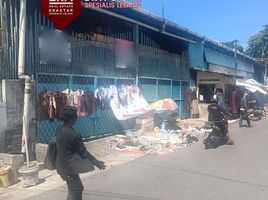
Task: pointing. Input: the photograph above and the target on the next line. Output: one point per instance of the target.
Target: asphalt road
(238, 172)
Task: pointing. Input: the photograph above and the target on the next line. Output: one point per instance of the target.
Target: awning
(216, 58)
(253, 82)
(197, 58)
(250, 87)
(241, 65)
(227, 64)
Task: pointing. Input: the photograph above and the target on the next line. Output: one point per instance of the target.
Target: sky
(221, 20)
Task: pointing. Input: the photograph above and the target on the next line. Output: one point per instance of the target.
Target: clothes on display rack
(103, 97)
(127, 103)
(86, 104)
(187, 100)
(47, 105)
(52, 104)
(61, 103)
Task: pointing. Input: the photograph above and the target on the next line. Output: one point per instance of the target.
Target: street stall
(256, 98)
(156, 136)
(212, 83)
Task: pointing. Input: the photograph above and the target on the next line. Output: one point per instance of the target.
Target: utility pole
(265, 73)
(163, 9)
(235, 54)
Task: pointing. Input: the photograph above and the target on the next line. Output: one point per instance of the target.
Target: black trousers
(244, 115)
(75, 186)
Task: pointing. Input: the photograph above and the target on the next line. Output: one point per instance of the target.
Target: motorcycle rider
(216, 114)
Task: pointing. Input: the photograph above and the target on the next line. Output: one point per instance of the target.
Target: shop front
(211, 83)
(214, 72)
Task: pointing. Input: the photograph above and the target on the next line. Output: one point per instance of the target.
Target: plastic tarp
(249, 86)
(253, 82)
(219, 59)
(241, 65)
(227, 61)
(197, 58)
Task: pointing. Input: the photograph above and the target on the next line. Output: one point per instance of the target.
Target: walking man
(243, 110)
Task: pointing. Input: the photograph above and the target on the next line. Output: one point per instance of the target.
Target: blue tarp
(197, 58)
(219, 59)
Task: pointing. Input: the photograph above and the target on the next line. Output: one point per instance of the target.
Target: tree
(234, 45)
(258, 44)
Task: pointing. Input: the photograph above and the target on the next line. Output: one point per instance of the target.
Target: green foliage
(258, 44)
(233, 45)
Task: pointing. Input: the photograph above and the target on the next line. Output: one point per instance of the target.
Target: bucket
(30, 175)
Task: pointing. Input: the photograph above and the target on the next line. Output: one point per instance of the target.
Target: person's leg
(229, 140)
(75, 186)
(226, 134)
(241, 119)
(248, 120)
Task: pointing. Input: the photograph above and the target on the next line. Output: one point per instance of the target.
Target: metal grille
(154, 89)
(98, 124)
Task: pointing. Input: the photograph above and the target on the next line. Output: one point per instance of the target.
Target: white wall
(11, 111)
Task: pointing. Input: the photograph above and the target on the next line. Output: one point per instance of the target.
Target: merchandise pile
(153, 140)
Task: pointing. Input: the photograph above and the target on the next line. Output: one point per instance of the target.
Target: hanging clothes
(86, 104)
(52, 106)
(101, 96)
(123, 96)
(187, 100)
(70, 97)
(134, 93)
(194, 109)
(61, 103)
(43, 105)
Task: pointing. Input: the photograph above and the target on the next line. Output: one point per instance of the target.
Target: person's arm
(81, 150)
(222, 109)
(245, 103)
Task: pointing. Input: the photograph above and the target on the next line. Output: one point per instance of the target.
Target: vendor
(172, 123)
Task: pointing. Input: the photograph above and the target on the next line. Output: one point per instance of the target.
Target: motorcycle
(255, 114)
(214, 137)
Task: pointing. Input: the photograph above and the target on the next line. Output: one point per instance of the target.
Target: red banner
(61, 12)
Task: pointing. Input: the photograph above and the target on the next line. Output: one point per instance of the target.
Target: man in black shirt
(69, 145)
(216, 115)
(244, 110)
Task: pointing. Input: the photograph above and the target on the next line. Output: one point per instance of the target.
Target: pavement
(122, 164)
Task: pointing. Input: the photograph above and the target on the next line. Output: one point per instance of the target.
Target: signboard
(226, 70)
(61, 12)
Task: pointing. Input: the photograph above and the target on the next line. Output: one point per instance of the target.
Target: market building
(99, 49)
(217, 67)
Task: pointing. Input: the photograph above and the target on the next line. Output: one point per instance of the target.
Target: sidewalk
(113, 158)
(49, 179)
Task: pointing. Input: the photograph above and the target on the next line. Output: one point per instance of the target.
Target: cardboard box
(145, 125)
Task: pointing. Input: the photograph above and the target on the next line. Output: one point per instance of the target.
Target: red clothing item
(61, 103)
(86, 104)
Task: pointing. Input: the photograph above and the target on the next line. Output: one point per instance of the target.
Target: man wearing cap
(69, 145)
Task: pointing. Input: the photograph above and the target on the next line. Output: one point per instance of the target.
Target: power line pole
(265, 73)
(235, 54)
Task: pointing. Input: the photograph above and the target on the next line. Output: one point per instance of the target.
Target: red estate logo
(61, 12)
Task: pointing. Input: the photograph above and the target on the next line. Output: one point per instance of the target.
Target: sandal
(230, 142)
